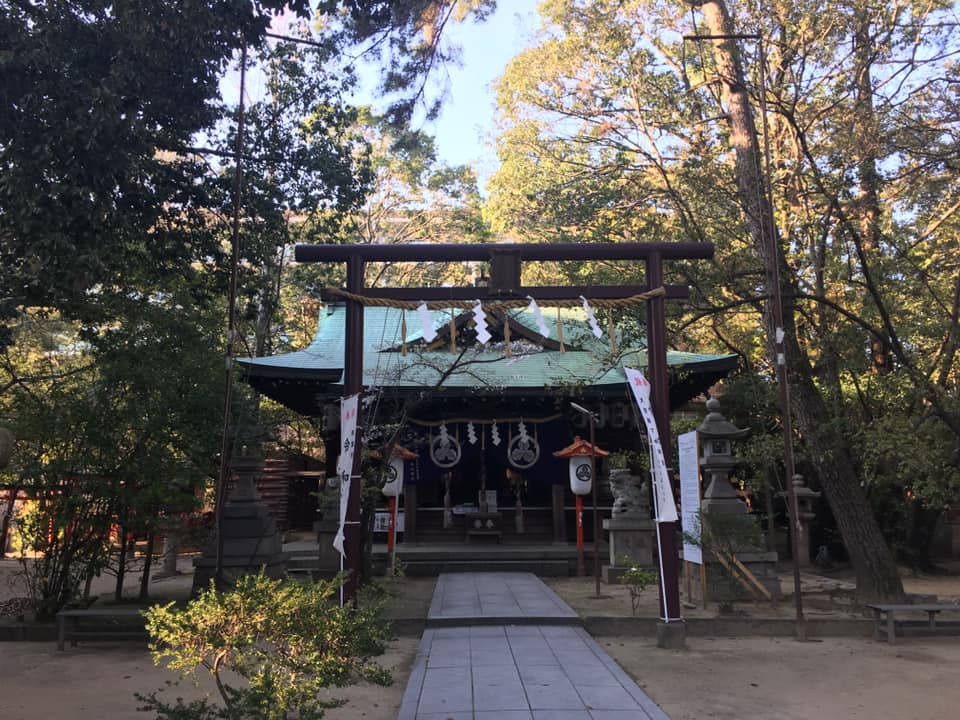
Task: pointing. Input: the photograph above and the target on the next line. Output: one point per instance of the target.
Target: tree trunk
(147, 565)
(121, 564)
(7, 519)
(873, 563)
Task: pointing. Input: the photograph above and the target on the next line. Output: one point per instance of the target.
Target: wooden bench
(887, 620)
(69, 624)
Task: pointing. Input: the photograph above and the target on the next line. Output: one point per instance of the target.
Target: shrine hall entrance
(483, 502)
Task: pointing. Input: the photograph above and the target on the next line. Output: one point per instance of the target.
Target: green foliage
(285, 641)
(93, 91)
(406, 39)
(64, 541)
(113, 428)
(723, 535)
(616, 124)
(636, 579)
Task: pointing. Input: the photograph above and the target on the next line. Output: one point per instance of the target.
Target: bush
(636, 579)
(284, 640)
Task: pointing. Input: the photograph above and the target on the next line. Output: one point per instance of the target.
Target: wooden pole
(353, 385)
(392, 528)
(596, 517)
(581, 570)
(660, 400)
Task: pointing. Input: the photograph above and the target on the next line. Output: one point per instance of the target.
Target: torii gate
(505, 262)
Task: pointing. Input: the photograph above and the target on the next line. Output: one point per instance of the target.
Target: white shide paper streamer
(591, 318)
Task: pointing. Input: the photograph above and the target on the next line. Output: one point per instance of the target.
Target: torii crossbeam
(505, 260)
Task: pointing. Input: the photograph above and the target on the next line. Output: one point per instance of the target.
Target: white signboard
(666, 508)
(348, 434)
(381, 522)
(688, 462)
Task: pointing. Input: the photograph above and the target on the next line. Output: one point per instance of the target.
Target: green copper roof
(533, 366)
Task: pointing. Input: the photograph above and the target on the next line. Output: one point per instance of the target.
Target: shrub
(636, 579)
(285, 641)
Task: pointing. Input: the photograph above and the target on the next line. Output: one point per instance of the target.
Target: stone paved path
(505, 596)
(537, 670)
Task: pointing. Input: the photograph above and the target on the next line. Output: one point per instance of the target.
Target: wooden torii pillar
(505, 259)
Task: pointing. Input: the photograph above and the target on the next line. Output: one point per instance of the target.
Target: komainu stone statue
(629, 494)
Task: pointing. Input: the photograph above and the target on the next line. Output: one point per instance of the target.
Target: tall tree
(616, 125)
(91, 92)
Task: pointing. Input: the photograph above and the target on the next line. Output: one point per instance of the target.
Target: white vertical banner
(348, 435)
(666, 508)
(689, 467)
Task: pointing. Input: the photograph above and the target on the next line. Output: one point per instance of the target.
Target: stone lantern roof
(716, 427)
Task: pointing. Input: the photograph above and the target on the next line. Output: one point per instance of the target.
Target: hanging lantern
(395, 469)
(394, 484)
(581, 476)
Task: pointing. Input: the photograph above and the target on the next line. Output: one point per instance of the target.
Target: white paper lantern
(394, 485)
(581, 475)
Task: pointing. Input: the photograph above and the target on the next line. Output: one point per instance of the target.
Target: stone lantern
(716, 434)
(805, 513)
(251, 541)
(717, 462)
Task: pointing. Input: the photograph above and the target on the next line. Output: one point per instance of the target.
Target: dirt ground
(727, 679)
(836, 679)
(98, 681)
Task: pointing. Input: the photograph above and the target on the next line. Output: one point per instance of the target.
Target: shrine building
(483, 419)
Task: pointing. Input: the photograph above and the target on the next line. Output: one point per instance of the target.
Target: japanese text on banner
(348, 431)
(665, 506)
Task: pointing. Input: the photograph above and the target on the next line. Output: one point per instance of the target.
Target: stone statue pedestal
(632, 537)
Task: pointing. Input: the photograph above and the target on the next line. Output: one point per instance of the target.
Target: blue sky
(464, 130)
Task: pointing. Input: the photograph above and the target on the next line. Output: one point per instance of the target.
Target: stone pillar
(559, 524)
(171, 546)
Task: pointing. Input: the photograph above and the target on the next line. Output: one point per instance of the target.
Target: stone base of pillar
(672, 635)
